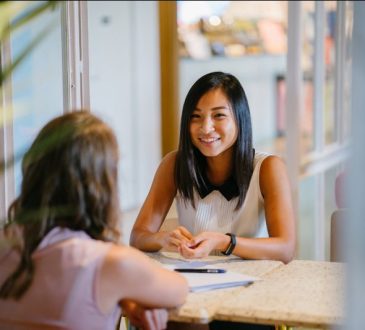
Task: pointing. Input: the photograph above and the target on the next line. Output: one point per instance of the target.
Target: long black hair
(70, 181)
(190, 166)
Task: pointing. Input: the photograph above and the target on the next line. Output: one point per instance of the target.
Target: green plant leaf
(8, 69)
(20, 20)
(8, 10)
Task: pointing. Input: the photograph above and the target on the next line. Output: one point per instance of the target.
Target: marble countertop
(202, 307)
(302, 293)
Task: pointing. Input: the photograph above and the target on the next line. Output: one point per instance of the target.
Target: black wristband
(231, 246)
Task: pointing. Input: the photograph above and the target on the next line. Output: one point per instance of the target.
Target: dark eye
(194, 116)
(220, 115)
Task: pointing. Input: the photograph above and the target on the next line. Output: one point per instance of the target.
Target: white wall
(125, 87)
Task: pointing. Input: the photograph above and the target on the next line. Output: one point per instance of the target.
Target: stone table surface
(201, 307)
(302, 293)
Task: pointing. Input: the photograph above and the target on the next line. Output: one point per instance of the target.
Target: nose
(207, 126)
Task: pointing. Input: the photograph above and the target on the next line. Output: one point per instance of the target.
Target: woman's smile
(209, 141)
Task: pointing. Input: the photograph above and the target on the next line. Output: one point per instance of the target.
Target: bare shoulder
(271, 163)
(169, 160)
(165, 174)
(273, 173)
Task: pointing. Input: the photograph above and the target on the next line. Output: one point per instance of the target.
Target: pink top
(63, 292)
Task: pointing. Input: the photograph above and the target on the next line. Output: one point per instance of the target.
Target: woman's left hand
(203, 244)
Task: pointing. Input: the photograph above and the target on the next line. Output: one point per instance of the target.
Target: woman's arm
(280, 245)
(127, 274)
(279, 214)
(145, 234)
(141, 317)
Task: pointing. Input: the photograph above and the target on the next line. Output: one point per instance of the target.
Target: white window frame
(75, 56)
(323, 156)
(7, 185)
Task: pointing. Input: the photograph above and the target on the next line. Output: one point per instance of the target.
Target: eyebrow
(215, 108)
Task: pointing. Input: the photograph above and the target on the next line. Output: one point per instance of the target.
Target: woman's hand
(203, 244)
(176, 238)
(146, 319)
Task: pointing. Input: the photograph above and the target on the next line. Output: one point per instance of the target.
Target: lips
(209, 140)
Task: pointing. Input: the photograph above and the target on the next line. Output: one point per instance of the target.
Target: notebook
(199, 282)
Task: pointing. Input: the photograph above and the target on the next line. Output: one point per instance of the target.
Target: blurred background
(132, 63)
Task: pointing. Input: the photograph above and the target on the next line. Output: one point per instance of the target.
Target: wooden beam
(169, 75)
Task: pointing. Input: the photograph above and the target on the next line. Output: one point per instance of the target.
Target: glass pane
(307, 123)
(329, 58)
(37, 83)
(306, 117)
(308, 204)
(247, 39)
(307, 215)
(347, 71)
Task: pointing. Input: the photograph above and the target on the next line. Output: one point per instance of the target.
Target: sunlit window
(231, 28)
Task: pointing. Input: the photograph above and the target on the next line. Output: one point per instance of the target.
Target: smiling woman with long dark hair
(230, 199)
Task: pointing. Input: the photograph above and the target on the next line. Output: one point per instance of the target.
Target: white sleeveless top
(215, 213)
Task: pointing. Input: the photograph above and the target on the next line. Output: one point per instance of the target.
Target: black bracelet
(231, 246)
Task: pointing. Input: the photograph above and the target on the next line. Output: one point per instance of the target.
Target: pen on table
(200, 270)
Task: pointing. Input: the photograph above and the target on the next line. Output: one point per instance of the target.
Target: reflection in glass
(306, 222)
(231, 28)
(329, 47)
(37, 88)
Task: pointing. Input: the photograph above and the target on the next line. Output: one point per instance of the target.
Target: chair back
(338, 221)
(340, 195)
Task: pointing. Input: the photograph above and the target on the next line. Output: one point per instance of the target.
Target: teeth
(210, 140)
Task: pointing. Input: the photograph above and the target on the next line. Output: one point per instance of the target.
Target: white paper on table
(199, 282)
(207, 260)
